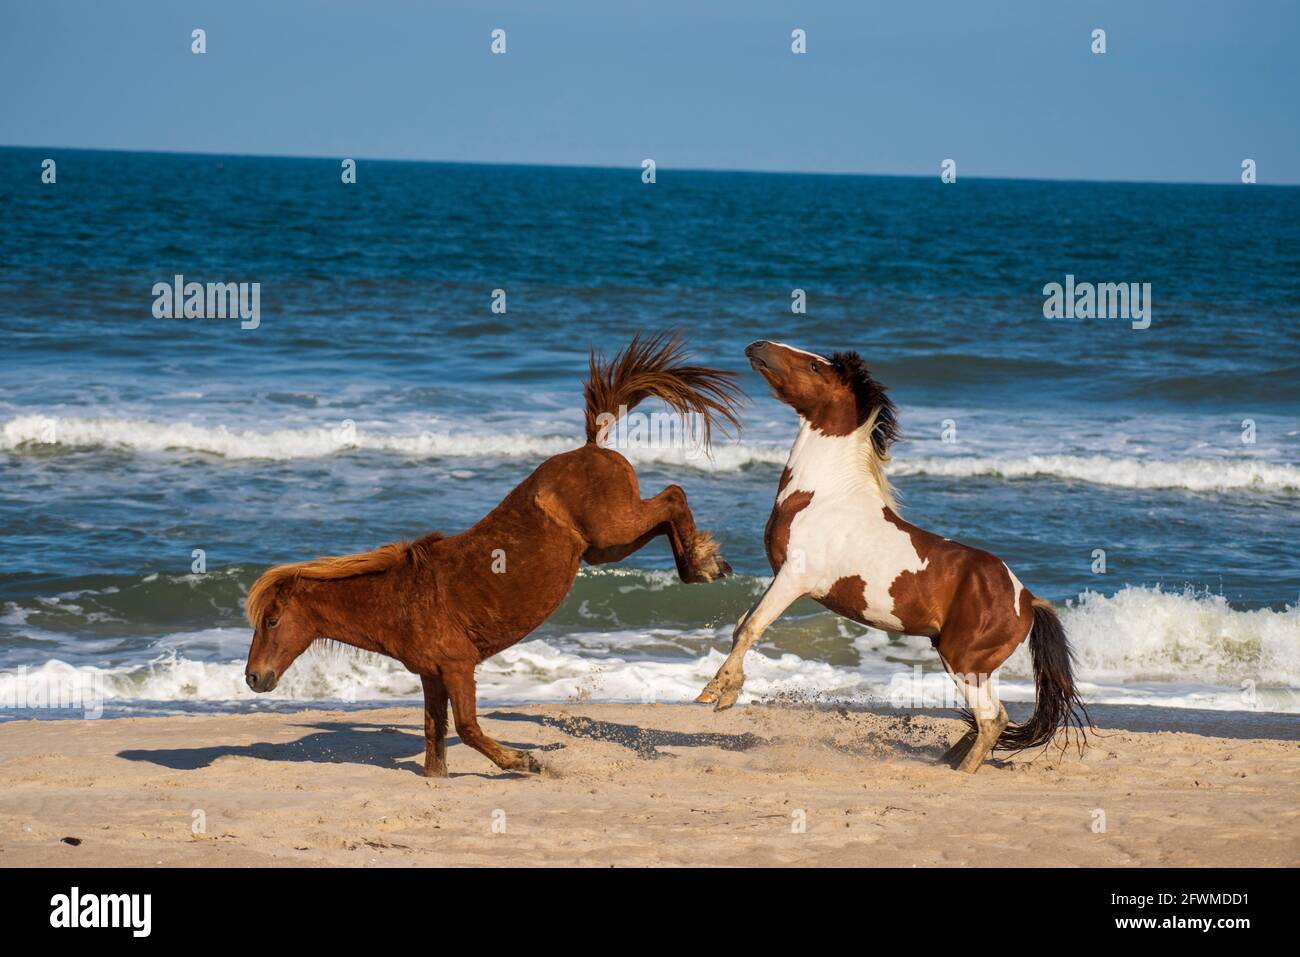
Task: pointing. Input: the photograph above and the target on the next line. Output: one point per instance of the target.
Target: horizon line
(658, 167)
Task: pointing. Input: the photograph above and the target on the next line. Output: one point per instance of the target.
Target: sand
(634, 785)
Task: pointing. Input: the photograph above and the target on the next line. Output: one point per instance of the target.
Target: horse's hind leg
(464, 708)
(435, 726)
(990, 729)
(990, 721)
(625, 529)
(697, 555)
(960, 749)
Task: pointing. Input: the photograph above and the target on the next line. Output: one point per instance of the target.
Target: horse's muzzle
(756, 353)
(261, 680)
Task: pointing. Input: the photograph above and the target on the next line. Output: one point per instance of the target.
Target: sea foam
(1138, 646)
(1223, 474)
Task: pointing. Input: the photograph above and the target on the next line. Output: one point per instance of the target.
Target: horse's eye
(272, 622)
(815, 366)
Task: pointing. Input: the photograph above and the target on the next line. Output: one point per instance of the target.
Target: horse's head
(282, 630)
(837, 396)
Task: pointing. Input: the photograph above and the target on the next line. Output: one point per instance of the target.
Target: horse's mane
(874, 466)
(328, 567)
(881, 423)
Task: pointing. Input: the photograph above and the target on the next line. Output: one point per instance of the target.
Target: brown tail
(1058, 705)
(655, 366)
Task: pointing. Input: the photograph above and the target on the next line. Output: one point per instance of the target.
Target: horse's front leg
(461, 686)
(723, 690)
(435, 726)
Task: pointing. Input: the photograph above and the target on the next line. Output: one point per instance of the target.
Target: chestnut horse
(440, 605)
(835, 535)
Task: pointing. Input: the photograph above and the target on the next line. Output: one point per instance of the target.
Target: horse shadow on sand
(334, 742)
(644, 742)
(402, 748)
(896, 739)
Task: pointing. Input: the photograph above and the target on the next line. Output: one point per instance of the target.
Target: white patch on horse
(802, 352)
(843, 531)
(1015, 584)
(978, 692)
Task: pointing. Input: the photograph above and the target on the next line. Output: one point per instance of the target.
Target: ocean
(1145, 479)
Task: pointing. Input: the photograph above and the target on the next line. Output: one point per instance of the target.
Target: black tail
(1058, 704)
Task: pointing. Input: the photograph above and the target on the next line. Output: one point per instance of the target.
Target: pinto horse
(835, 535)
(442, 604)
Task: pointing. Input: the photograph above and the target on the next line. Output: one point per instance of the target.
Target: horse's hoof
(727, 698)
(531, 764)
(437, 771)
(711, 691)
(719, 569)
(707, 563)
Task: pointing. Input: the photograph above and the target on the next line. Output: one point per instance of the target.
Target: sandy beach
(642, 785)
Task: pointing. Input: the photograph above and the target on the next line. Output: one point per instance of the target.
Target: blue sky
(1185, 91)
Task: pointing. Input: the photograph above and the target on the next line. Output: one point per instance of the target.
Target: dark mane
(871, 397)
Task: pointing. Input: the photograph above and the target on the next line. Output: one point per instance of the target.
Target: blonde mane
(329, 567)
(874, 462)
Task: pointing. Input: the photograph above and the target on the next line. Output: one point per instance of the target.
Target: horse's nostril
(260, 681)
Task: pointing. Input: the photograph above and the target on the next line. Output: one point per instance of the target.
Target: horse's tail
(656, 366)
(1058, 705)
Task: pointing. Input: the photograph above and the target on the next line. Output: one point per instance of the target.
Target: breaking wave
(27, 432)
(1138, 646)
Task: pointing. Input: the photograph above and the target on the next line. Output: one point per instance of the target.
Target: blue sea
(1146, 480)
